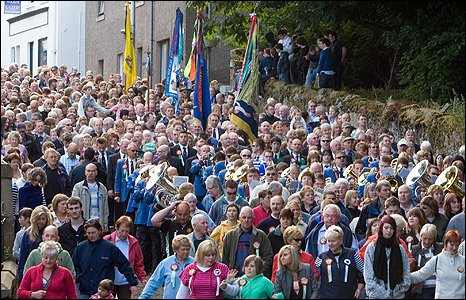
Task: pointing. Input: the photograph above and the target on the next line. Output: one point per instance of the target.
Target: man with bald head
(163, 155)
(64, 258)
(245, 240)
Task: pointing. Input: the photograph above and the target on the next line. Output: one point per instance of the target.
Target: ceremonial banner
(129, 64)
(246, 104)
(201, 106)
(174, 65)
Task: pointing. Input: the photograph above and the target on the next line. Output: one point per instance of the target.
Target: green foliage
(417, 46)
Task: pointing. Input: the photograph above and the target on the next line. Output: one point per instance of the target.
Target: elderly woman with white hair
(48, 280)
(340, 267)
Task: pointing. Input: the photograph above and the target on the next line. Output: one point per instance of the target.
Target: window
(164, 49)
(139, 61)
(120, 64)
(42, 52)
(100, 67)
(31, 56)
(101, 8)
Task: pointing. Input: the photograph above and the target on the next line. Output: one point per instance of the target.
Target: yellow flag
(129, 64)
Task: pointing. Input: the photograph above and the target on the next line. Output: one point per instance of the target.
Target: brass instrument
(240, 174)
(230, 172)
(349, 173)
(393, 183)
(420, 175)
(159, 177)
(144, 172)
(362, 179)
(449, 181)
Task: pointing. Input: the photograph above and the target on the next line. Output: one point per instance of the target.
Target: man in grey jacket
(246, 239)
(93, 195)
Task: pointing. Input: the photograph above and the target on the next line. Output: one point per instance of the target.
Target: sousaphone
(155, 174)
(449, 181)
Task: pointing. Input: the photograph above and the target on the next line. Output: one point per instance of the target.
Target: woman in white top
(449, 266)
(59, 213)
(17, 178)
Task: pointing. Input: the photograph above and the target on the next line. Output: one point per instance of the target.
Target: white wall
(62, 25)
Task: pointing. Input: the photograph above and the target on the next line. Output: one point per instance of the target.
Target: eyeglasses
(375, 147)
(245, 155)
(132, 150)
(341, 157)
(271, 174)
(231, 193)
(297, 240)
(325, 141)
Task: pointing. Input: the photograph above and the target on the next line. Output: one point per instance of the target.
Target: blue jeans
(310, 77)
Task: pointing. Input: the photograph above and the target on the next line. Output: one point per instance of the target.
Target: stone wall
(445, 132)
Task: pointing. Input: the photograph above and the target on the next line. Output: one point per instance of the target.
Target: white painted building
(44, 33)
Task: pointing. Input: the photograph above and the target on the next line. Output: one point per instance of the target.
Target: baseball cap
(346, 125)
(20, 127)
(402, 142)
(348, 138)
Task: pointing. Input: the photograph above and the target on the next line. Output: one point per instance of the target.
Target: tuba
(419, 175)
(160, 178)
(449, 181)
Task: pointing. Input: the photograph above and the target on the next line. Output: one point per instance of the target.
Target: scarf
(380, 256)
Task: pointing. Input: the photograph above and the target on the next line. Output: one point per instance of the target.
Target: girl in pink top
(205, 278)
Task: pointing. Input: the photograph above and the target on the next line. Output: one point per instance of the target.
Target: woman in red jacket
(47, 280)
(130, 248)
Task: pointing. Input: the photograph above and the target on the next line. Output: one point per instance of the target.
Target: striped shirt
(94, 191)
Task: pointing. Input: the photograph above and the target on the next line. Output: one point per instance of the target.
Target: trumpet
(240, 174)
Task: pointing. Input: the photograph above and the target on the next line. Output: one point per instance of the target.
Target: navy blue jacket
(95, 261)
(311, 239)
(30, 196)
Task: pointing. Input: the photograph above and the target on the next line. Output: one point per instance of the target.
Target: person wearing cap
(402, 145)
(348, 145)
(347, 129)
(87, 100)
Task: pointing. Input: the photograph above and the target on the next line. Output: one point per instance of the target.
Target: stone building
(154, 22)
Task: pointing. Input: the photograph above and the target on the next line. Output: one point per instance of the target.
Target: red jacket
(61, 286)
(135, 255)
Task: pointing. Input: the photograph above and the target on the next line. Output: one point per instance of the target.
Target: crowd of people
(318, 206)
(294, 60)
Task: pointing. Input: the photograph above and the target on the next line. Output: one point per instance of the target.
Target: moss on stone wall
(445, 131)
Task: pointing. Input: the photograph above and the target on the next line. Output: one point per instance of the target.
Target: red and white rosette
(217, 273)
(323, 242)
(173, 267)
(241, 283)
(256, 246)
(409, 240)
(304, 280)
(328, 264)
(191, 275)
(460, 270)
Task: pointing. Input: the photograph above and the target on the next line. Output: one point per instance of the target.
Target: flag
(174, 65)
(190, 70)
(129, 64)
(201, 106)
(246, 104)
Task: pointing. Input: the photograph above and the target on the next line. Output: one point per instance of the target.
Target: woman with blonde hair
(205, 277)
(40, 218)
(295, 206)
(294, 280)
(294, 236)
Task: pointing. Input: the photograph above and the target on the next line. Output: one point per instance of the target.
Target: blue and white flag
(174, 65)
